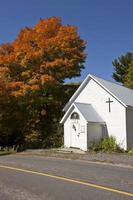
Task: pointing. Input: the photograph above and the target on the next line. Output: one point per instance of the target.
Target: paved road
(16, 184)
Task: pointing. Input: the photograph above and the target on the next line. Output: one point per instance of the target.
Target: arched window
(74, 115)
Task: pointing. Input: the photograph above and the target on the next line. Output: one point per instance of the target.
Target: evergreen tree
(129, 77)
(122, 66)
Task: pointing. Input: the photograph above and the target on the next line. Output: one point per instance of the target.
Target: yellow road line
(69, 180)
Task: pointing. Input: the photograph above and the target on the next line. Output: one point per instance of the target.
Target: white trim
(74, 96)
(69, 111)
(65, 115)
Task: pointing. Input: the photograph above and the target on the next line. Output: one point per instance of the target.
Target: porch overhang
(86, 110)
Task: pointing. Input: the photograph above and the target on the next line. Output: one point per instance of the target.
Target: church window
(74, 115)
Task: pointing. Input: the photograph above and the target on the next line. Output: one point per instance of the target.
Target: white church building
(98, 108)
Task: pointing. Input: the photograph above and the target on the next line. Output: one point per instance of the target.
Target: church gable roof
(87, 111)
(122, 94)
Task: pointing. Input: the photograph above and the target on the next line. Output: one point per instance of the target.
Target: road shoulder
(117, 159)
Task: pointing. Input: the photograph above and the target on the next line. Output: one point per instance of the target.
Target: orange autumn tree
(41, 56)
(33, 69)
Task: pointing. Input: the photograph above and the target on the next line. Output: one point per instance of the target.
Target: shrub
(54, 140)
(33, 140)
(106, 144)
(130, 151)
(36, 140)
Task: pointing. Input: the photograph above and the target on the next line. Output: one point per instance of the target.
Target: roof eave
(91, 122)
(71, 100)
(65, 115)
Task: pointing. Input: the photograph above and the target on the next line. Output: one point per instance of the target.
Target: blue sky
(106, 25)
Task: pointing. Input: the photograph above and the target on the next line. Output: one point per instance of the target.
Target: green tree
(129, 77)
(13, 117)
(122, 66)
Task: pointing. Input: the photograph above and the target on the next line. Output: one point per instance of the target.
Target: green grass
(6, 152)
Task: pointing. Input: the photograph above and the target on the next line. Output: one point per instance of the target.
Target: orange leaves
(43, 55)
(6, 49)
(48, 27)
(6, 53)
(33, 81)
(16, 85)
(17, 93)
(4, 71)
(18, 89)
(35, 87)
(47, 79)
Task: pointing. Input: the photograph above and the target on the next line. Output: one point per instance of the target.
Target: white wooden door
(75, 135)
